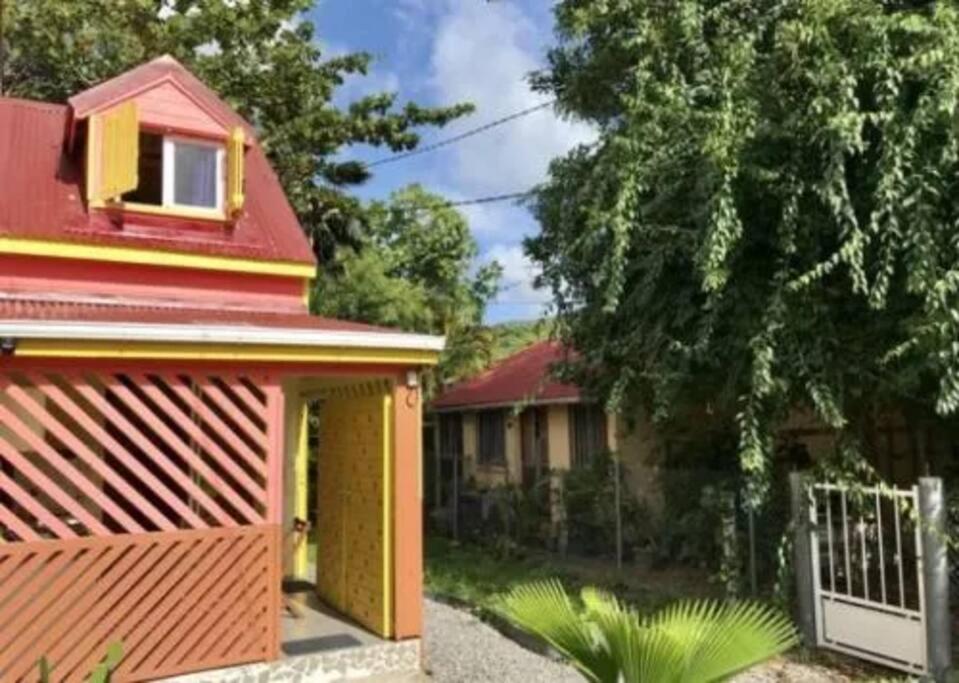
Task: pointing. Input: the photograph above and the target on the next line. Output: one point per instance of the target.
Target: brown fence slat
(126, 584)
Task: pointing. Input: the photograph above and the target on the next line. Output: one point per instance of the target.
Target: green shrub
(102, 672)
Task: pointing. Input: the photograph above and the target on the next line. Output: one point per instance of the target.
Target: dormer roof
(41, 178)
(167, 76)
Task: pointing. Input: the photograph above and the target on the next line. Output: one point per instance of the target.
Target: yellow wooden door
(354, 568)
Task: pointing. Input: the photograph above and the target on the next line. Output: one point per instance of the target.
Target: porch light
(412, 379)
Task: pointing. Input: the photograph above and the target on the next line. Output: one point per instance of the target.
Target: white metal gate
(868, 589)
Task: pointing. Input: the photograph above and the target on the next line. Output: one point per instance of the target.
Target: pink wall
(28, 274)
(167, 107)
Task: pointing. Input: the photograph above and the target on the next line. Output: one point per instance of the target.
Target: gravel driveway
(462, 649)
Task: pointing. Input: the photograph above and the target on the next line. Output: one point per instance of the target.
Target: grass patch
(475, 575)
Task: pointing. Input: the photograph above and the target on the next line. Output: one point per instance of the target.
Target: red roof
(24, 308)
(41, 194)
(522, 377)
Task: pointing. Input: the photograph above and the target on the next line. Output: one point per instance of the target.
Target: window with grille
(491, 426)
(587, 426)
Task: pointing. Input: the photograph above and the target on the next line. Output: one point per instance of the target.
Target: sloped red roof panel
(524, 376)
(41, 192)
(48, 310)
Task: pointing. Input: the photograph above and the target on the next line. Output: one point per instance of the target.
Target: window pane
(195, 171)
(587, 433)
(492, 436)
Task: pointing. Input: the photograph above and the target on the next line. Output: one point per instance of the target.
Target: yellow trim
(235, 151)
(301, 559)
(57, 348)
(91, 252)
(388, 568)
(307, 290)
(156, 210)
(93, 146)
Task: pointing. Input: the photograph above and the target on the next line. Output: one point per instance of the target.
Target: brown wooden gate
(139, 506)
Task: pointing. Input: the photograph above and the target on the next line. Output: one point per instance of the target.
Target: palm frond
(546, 611)
(689, 642)
(722, 639)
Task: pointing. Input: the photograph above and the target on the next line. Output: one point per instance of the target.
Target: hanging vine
(769, 218)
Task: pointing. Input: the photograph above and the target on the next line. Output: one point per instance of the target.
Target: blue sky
(446, 51)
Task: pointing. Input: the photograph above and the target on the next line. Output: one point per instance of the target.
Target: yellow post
(301, 559)
(387, 528)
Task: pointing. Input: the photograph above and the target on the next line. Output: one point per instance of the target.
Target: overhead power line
(462, 136)
(471, 202)
(490, 200)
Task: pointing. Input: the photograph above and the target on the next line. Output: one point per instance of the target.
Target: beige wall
(635, 443)
(637, 449)
(488, 475)
(485, 475)
(642, 452)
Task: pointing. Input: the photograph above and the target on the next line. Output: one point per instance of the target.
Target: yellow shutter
(234, 164)
(119, 140)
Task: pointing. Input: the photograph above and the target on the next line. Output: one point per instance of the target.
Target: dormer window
(177, 172)
(148, 171)
(193, 174)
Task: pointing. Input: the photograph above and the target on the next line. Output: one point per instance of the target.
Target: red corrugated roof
(26, 308)
(41, 194)
(524, 376)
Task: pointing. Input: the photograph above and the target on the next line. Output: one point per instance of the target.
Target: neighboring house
(514, 423)
(158, 361)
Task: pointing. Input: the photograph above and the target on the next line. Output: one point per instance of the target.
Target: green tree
(261, 56)
(416, 271)
(514, 336)
(609, 642)
(768, 219)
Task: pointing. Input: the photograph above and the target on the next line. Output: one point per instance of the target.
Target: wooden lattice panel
(96, 454)
(178, 601)
(353, 529)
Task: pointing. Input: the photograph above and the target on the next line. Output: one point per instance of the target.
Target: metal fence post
(619, 513)
(802, 558)
(455, 506)
(729, 542)
(753, 578)
(935, 571)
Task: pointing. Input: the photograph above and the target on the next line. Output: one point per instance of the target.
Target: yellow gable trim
(113, 254)
(55, 348)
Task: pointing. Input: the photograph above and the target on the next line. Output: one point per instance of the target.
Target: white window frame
(169, 173)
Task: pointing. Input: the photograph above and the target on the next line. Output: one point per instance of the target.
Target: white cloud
(483, 53)
(166, 10)
(518, 275)
(209, 49)
(411, 13)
